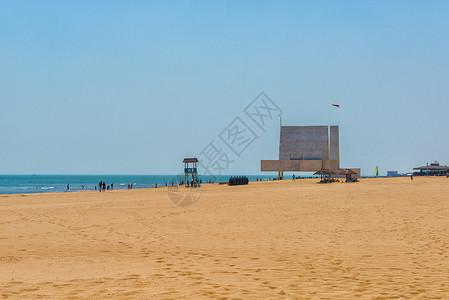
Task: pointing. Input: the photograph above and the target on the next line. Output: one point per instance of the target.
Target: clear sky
(132, 87)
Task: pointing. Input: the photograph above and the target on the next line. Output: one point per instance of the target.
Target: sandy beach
(379, 238)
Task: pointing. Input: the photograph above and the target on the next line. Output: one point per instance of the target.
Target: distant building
(431, 170)
(392, 173)
(306, 149)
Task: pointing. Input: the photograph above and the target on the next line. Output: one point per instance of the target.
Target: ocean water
(23, 184)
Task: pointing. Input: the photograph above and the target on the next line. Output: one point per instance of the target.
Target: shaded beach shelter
(325, 174)
(348, 173)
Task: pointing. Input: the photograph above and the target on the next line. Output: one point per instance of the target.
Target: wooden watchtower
(191, 170)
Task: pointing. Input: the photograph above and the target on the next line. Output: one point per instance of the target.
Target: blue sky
(122, 87)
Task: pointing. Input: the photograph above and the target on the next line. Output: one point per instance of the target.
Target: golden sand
(379, 238)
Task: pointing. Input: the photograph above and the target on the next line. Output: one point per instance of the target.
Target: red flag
(336, 105)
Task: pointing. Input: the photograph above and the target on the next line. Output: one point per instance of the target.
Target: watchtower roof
(190, 160)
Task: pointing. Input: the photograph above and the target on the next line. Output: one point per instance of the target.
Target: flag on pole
(377, 171)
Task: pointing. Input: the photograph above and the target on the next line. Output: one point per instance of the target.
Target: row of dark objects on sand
(330, 180)
(240, 180)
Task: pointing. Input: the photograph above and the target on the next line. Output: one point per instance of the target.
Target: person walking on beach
(112, 186)
(68, 187)
(104, 186)
(100, 185)
(411, 177)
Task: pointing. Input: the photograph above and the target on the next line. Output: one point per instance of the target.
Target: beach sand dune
(379, 238)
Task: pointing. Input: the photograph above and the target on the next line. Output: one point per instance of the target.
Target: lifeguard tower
(191, 170)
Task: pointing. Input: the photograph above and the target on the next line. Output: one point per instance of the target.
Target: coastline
(33, 184)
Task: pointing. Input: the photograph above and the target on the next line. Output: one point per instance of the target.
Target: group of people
(102, 186)
(68, 187)
(188, 183)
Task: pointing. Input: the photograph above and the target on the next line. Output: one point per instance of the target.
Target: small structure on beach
(431, 170)
(191, 170)
(325, 175)
(392, 173)
(348, 173)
